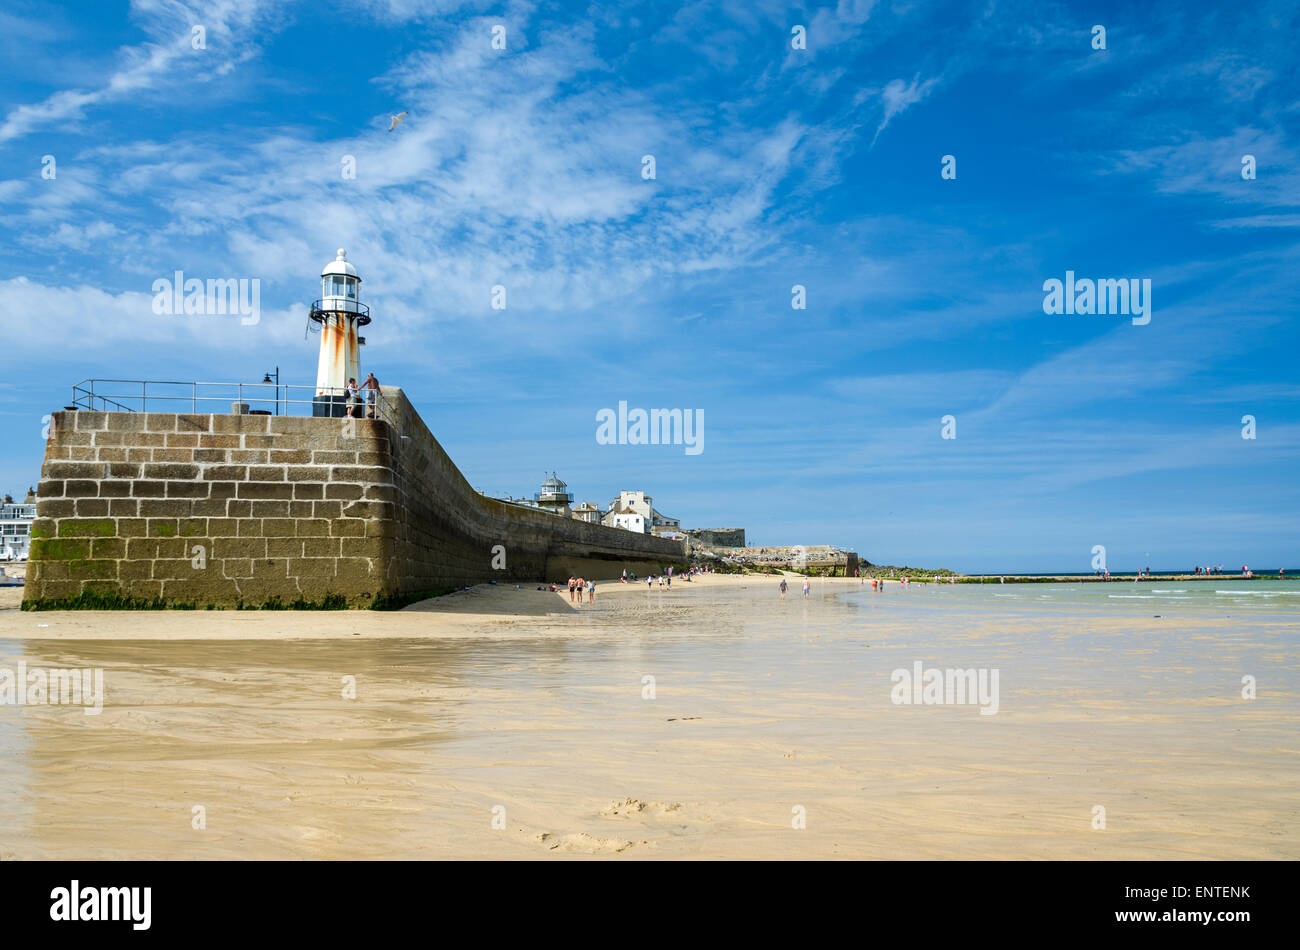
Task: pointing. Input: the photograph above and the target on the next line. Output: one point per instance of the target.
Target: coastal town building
(16, 526)
(586, 511)
(628, 520)
(631, 510)
(662, 525)
(643, 504)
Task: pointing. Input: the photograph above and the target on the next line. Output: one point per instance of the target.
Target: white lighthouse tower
(340, 313)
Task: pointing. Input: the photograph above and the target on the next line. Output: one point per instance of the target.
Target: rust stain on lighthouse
(339, 312)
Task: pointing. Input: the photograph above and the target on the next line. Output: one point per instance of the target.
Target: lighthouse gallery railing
(281, 399)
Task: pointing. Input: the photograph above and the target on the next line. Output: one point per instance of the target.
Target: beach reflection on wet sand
(478, 712)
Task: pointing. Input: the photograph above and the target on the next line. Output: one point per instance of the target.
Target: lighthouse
(339, 313)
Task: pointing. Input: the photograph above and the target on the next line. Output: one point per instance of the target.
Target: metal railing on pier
(278, 399)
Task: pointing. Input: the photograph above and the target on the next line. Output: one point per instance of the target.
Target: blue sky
(774, 167)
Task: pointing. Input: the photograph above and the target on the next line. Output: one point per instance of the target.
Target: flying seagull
(396, 119)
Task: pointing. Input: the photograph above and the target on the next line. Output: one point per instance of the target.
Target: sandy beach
(504, 723)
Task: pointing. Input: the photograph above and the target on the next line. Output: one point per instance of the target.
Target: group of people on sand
(664, 578)
(878, 584)
(577, 585)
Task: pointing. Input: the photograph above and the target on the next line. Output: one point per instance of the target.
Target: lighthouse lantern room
(339, 313)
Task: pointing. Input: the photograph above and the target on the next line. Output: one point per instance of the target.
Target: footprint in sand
(635, 808)
(583, 843)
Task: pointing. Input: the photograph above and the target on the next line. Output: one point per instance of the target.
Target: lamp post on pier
(267, 379)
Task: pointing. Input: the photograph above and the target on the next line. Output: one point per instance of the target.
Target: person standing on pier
(371, 386)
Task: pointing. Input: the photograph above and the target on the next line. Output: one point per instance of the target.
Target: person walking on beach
(783, 588)
(371, 386)
(624, 575)
(591, 591)
(579, 585)
(572, 581)
(805, 588)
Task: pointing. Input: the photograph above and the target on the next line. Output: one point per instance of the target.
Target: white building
(643, 504)
(628, 520)
(16, 527)
(637, 501)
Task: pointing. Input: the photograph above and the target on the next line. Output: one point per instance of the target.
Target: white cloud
(898, 95)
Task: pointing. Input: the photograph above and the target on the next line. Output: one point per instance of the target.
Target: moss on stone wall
(96, 528)
(52, 549)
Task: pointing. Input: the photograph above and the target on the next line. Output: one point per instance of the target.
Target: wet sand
(507, 704)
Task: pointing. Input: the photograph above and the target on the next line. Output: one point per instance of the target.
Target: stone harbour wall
(717, 537)
(212, 510)
(450, 534)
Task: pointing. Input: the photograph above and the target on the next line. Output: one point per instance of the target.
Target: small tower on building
(554, 496)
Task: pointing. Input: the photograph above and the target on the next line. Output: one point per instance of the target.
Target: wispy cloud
(169, 56)
(897, 96)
